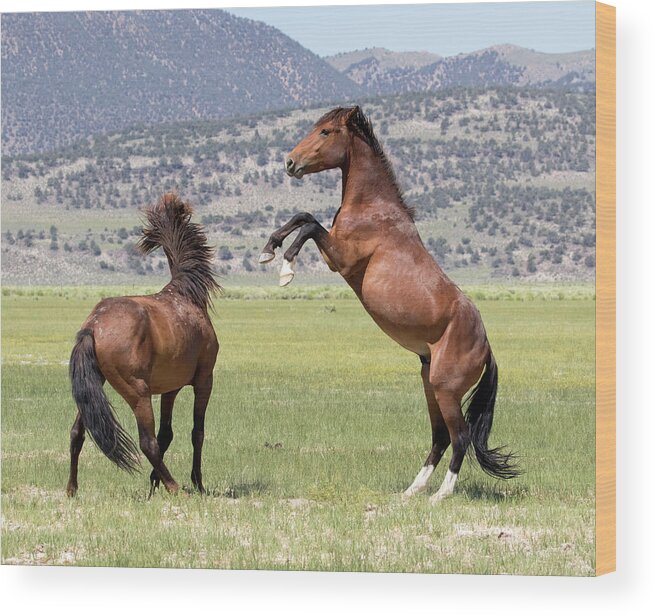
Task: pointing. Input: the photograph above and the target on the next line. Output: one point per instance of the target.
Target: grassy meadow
(316, 425)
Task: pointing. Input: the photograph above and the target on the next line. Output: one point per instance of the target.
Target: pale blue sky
(445, 29)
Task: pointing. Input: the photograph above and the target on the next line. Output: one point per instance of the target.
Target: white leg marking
(420, 482)
(265, 257)
(286, 273)
(446, 488)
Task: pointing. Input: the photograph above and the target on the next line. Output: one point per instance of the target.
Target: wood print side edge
(605, 288)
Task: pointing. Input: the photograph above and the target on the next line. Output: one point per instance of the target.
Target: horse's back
(152, 338)
(119, 321)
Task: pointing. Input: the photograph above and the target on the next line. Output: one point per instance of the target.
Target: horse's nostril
(289, 163)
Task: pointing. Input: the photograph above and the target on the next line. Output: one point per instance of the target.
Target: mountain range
(67, 76)
(381, 71)
(70, 75)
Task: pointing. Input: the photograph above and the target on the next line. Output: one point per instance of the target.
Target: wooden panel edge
(605, 288)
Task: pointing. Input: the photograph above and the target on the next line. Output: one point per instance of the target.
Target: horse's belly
(172, 376)
(407, 312)
(412, 341)
(175, 360)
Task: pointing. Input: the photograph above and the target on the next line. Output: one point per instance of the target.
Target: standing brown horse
(145, 345)
(375, 246)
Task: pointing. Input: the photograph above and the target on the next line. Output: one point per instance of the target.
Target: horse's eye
(325, 132)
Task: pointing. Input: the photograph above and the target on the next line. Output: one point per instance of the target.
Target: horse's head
(326, 146)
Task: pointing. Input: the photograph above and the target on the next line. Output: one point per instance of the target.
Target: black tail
(97, 412)
(480, 414)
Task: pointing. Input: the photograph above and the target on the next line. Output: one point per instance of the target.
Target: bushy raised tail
(497, 462)
(97, 412)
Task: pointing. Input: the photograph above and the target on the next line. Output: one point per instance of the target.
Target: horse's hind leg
(145, 420)
(440, 436)
(165, 433)
(202, 390)
(451, 409)
(77, 440)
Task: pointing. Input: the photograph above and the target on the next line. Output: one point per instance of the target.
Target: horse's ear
(354, 111)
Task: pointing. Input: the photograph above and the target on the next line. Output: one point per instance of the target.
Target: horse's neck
(368, 187)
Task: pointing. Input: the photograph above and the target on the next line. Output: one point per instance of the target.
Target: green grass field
(316, 425)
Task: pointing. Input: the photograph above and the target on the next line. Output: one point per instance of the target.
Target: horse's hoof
(286, 273)
(71, 491)
(266, 257)
(197, 484)
(447, 488)
(435, 499)
(408, 493)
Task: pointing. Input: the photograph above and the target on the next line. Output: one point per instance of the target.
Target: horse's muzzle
(293, 169)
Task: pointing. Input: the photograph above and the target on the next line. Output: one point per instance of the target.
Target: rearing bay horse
(375, 246)
(145, 345)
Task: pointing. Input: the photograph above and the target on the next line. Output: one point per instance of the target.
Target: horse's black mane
(362, 126)
(185, 245)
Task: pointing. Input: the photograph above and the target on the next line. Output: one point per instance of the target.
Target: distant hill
(67, 76)
(386, 59)
(71, 75)
(539, 67)
(383, 72)
(502, 180)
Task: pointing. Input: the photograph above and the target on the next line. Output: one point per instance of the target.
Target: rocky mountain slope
(71, 75)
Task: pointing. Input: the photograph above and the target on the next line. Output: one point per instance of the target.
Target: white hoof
(286, 273)
(446, 489)
(420, 483)
(411, 491)
(438, 497)
(266, 257)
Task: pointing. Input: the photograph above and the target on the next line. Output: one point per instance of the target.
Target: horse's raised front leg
(310, 231)
(165, 434)
(278, 236)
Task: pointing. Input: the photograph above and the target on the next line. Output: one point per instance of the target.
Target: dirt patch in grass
(41, 555)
